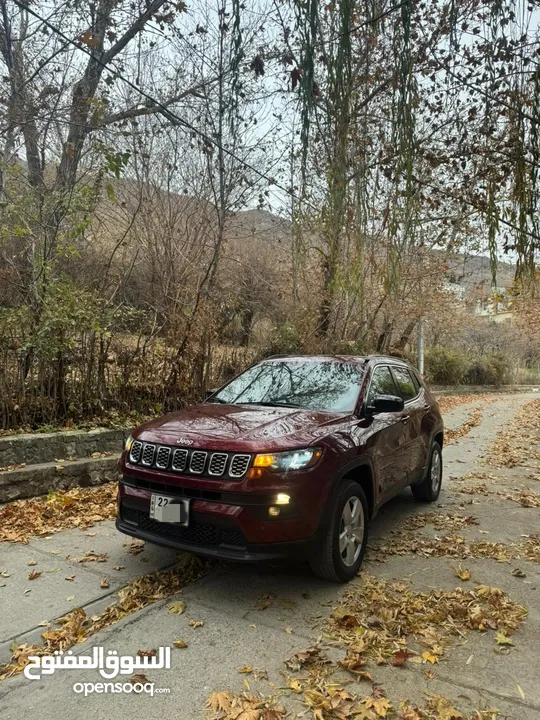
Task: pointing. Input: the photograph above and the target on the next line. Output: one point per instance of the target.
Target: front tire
(430, 487)
(344, 542)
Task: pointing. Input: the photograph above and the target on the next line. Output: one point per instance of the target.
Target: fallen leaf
(136, 546)
(220, 701)
(516, 572)
(177, 607)
(295, 685)
(310, 656)
(520, 691)
(70, 578)
(104, 583)
(31, 562)
(264, 601)
(180, 643)
(443, 707)
(400, 657)
(429, 657)
(140, 678)
(245, 670)
(196, 623)
(382, 706)
(288, 630)
(147, 653)
(33, 574)
(70, 598)
(343, 618)
(272, 714)
(119, 567)
(92, 556)
(502, 638)
(462, 573)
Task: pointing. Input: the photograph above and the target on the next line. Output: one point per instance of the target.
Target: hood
(213, 426)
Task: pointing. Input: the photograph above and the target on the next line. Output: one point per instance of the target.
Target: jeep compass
(291, 458)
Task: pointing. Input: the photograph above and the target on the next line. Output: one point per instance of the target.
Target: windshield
(327, 385)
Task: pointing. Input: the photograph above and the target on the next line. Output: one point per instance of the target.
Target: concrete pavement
(237, 632)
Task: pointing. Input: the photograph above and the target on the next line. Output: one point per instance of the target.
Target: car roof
(360, 359)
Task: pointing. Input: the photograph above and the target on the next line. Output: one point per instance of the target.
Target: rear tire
(430, 487)
(344, 542)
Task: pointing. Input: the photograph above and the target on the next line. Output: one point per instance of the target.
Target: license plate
(169, 509)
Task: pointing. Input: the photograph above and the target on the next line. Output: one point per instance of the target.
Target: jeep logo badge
(184, 441)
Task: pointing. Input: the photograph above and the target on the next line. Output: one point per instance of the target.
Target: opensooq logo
(109, 666)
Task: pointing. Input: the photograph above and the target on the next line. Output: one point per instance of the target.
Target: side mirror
(209, 393)
(385, 404)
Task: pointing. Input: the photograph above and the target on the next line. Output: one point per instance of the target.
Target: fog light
(273, 511)
(283, 499)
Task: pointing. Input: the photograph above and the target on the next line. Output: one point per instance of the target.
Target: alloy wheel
(436, 471)
(351, 531)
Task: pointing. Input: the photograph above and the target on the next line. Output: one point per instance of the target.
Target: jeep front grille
(136, 452)
(197, 462)
(218, 462)
(239, 465)
(148, 454)
(162, 458)
(179, 460)
(232, 466)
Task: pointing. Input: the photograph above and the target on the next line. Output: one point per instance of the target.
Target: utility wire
(169, 114)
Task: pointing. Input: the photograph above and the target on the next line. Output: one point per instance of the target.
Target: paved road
(235, 633)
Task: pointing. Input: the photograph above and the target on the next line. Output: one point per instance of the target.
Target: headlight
(129, 443)
(292, 460)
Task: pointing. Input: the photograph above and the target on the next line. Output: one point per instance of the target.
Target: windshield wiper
(270, 403)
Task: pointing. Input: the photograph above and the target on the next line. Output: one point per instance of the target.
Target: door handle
(405, 419)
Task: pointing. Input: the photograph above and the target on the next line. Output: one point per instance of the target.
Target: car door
(389, 438)
(415, 409)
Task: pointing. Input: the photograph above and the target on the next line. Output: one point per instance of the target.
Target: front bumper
(264, 552)
(233, 526)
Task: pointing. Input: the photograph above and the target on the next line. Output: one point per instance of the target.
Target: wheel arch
(438, 437)
(361, 472)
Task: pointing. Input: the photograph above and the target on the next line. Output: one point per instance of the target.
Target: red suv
(292, 457)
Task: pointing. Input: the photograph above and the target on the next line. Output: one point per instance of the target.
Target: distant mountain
(474, 272)
(259, 225)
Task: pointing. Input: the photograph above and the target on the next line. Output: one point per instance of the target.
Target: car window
(406, 385)
(310, 384)
(382, 383)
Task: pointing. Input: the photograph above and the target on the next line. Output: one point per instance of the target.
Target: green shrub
(445, 366)
(285, 341)
(489, 370)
